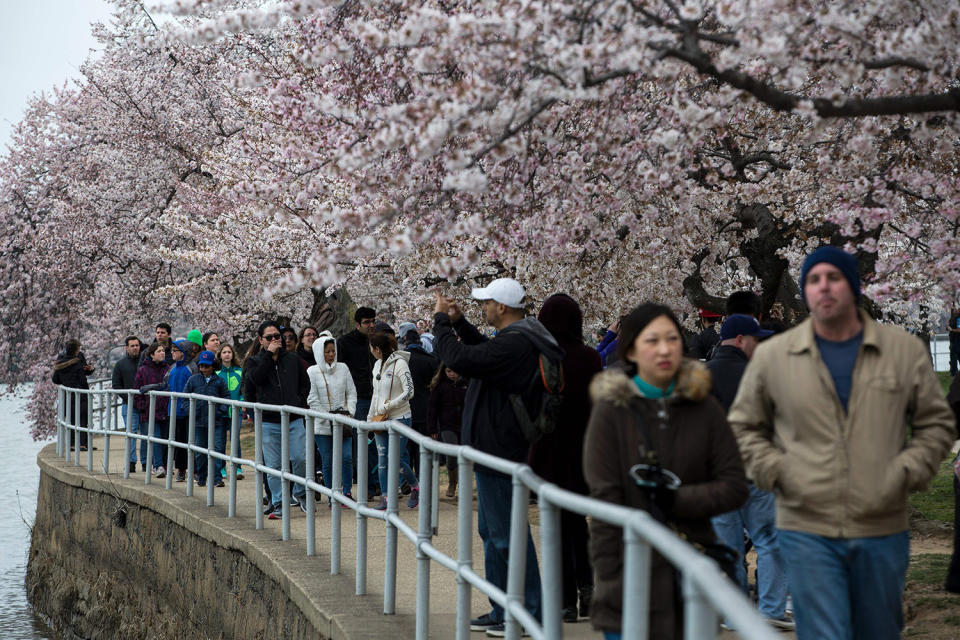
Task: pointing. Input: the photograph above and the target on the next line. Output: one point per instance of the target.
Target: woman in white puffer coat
(392, 391)
(332, 391)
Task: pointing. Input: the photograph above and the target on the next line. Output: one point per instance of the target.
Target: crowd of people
(794, 441)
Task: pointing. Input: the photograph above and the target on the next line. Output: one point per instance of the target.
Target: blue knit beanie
(838, 258)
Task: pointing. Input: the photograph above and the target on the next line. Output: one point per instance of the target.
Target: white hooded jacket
(331, 386)
(392, 387)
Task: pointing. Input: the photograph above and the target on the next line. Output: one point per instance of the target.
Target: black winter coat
(703, 343)
(446, 405)
(124, 373)
(497, 368)
(353, 349)
(558, 456)
(423, 367)
(726, 367)
(69, 372)
(282, 381)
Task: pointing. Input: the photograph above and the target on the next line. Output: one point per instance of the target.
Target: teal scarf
(647, 390)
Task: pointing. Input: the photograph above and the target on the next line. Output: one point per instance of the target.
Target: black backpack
(546, 388)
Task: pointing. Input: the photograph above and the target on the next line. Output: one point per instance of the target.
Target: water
(19, 479)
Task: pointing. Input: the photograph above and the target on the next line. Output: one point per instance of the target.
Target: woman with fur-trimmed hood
(655, 409)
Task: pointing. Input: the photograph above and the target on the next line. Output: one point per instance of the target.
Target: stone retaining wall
(104, 564)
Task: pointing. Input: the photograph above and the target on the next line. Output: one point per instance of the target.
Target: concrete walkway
(336, 610)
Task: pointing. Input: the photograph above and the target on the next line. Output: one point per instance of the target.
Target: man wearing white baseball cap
(496, 368)
(506, 291)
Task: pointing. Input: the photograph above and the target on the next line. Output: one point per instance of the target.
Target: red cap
(708, 314)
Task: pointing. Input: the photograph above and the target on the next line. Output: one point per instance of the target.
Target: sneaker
(132, 467)
(414, 498)
(181, 476)
(483, 623)
(299, 503)
(239, 474)
(143, 467)
(275, 512)
(405, 489)
(500, 631)
(346, 506)
(161, 472)
(219, 484)
(785, 623)
(201, 483)
(569, 614)
(586, 596)
(382, 506)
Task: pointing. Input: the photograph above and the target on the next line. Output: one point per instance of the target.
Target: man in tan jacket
(821, 419)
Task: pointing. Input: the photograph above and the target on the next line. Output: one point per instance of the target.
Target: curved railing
(707, 593)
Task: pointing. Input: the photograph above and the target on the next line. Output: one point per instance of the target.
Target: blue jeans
(325, 444)
(159, 450)
(383, 441)
(373, 480)
(219, 445)
(846, 588)
(610, 635)
(494, 498)
(758, 517)
(132, 417)
(271, 457)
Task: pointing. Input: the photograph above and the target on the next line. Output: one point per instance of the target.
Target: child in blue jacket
(208, 383)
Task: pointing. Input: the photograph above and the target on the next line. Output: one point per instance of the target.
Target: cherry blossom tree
(238, 159)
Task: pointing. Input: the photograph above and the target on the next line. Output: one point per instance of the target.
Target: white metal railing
(707, 593)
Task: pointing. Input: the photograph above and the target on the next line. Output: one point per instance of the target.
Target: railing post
(59, 412)
(552, 583)
(285, 467)
(212, 478)
(106, 433)
(636, 585)
(232, 465)
(390, 561)
(89, 430)
(363, 480)
(126, 437)
(191, 439)
(258, 460)
(336, 486)
(311, 473)
(424, 536)
(517, 557)
(435, 502)
(171, 439)
(151, 429)
(699, 618)
(464, 544)
(77, 407)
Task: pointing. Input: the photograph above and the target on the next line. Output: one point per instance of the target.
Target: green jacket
(836, 474)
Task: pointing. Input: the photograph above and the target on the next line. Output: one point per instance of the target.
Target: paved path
(351, 617)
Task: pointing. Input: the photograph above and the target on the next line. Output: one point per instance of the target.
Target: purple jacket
(150, 373)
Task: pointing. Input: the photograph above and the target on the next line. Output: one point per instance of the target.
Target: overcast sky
(42, 45)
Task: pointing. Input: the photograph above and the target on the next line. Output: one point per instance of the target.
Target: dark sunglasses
(272, 336)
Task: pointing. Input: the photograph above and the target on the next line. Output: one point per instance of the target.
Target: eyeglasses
(272, 336)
